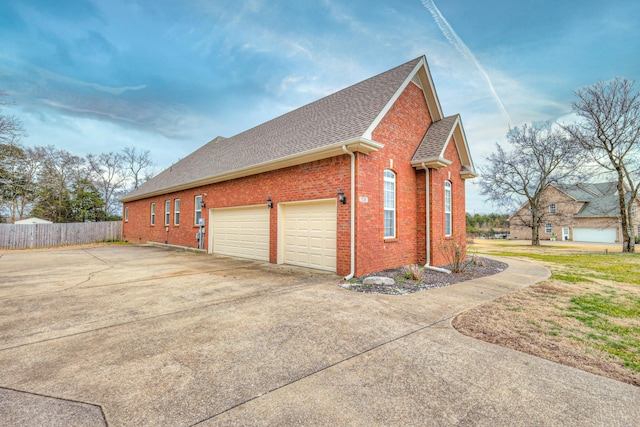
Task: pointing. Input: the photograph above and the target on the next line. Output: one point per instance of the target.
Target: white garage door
(309, 234)
(601, 235)
(241, 232)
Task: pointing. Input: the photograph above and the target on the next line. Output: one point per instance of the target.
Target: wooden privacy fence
(23, 236)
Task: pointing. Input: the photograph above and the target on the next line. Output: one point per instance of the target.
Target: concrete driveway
(134, 336)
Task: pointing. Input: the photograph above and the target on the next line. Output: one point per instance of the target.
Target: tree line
(487, 225)
(604, 142)
(56, 185)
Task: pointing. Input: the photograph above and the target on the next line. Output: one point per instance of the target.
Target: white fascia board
(360, 145)
(431, 162)
(462, 147)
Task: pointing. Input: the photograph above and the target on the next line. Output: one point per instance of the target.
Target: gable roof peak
(430, 153)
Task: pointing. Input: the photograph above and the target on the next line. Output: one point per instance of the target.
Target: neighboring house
(33, 221)
(580, 212)
(369, 178)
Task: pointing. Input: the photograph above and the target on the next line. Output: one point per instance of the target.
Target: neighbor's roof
(33, 220)
(606, 205)
(601, 198)
(586, 191)
(345, 117)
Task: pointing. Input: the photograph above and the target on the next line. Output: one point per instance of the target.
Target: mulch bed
(430, 279)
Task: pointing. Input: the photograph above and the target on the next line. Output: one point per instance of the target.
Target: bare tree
(610, 133)
(539, 155)
(11, 129)
(108, 175)
(11, 153)
(138, 164)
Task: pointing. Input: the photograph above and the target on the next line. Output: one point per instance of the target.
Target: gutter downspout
(353, 213)
(427, 233)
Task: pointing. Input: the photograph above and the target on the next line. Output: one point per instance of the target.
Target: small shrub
(413, 272)
(455, 254)
(477, 261)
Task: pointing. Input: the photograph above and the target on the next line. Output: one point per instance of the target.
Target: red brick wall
(401, 131)
(316, 180)
(439, 242)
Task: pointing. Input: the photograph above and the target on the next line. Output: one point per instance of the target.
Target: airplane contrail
(461, 47)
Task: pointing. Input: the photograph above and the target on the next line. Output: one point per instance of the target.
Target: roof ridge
(583, 186)
(337, 93)
(340, 116)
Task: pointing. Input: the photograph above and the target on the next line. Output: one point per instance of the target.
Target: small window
(167, 212)
(389, 204)
(153, 214)
(126, 214)
(552, 208)
(447, 209)
(198, 210)
(548, 229)
(176, 212)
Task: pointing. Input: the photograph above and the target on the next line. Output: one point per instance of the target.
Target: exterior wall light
(342, 197)
(269, 203)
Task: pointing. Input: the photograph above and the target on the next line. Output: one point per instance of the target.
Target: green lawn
(598, 291)
(618, 267)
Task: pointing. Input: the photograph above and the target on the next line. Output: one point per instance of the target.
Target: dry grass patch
(587, 315)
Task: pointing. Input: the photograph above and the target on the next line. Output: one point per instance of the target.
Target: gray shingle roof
(585, 191)
(601, 198)
(601, 206)
(338, 117)
(436, 138)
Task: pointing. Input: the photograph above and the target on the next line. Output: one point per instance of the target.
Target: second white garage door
(603, 235)
(309, 234)
(241, 232)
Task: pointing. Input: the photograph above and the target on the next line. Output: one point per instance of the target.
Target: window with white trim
(176, 212)
(167, 212)
(447, 209)
(126, 214)
(153, 214)
(198, 210)
(548, 229)
(552, 208)
(389, 204)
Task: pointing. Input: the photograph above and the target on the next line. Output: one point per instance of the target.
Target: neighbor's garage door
(602, 235)
(309, 234)
(241, 232)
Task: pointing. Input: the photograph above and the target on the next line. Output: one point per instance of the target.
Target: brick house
(582, 212)
(369, 178)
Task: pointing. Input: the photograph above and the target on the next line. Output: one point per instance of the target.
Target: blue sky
(168, 76)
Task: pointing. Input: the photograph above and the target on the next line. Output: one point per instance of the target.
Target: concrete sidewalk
(140, 336)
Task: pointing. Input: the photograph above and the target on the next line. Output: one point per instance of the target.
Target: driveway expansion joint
(318, 371)
(59, 399)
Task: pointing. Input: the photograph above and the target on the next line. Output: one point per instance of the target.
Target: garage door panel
(241, 232)
(600, 235)
(310, 234)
